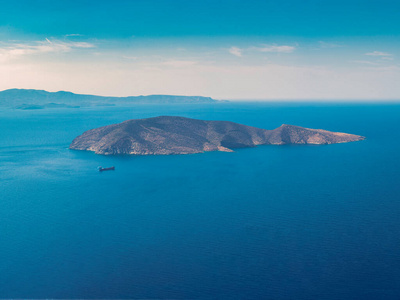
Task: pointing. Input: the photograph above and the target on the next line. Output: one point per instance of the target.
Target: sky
(225, 49)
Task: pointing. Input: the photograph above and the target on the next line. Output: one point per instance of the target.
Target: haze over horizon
(225, 50)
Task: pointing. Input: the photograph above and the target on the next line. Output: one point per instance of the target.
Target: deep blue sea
(272, 222)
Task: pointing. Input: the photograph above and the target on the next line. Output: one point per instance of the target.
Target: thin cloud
(276, 48)
(365, 62)
(236, 51)
(47, 46)
(379, 53)
(73, 34)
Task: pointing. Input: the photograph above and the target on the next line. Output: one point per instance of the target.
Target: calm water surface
(272, 222)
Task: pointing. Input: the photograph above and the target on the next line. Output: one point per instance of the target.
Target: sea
(271, 222)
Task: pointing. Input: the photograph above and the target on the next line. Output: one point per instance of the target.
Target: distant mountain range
(34, 99)
(179, 135)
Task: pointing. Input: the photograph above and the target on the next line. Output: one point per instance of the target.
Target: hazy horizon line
(288, 100)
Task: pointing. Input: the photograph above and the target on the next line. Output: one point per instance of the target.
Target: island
(178, 135)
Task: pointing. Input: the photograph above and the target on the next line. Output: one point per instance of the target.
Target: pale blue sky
(224, 49)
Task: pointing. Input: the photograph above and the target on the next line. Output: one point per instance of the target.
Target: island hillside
(178, 135)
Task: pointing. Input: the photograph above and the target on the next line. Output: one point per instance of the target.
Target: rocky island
(179, 135)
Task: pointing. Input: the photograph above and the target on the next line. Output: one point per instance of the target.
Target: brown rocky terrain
(178, 135)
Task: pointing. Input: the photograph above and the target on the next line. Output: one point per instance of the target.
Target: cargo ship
(101, 169)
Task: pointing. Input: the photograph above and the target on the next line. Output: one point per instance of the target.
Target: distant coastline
(40, 99)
